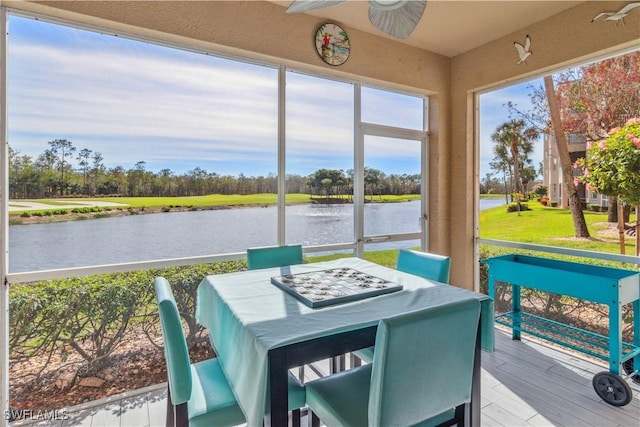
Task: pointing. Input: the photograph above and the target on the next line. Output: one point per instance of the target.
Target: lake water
(182, 234)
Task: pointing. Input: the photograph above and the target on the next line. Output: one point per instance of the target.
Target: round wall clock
(332, 44)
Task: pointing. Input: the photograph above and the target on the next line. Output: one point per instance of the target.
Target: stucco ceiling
(452, 27)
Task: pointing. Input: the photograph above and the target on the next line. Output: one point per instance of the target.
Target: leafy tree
(501, 164)
(491, 185)
(372, 179)
(97, 170)
(612, 167)
(135, 179)
(579, 223)
(329, 181)
(514, 143)
(599, 97)
(591, 100)
(83, 162)
(61, 149)
(541, 190)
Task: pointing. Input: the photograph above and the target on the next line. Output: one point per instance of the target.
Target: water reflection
(182, 234)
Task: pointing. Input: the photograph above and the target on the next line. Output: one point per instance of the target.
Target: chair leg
(337, 364)
(355, 361)
(314, 421)
(177, 416)
(458, 419)
(460, 415)
(182, 415)
(170, 419)
(296, 416)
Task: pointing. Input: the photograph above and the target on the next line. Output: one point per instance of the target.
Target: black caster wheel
(628, 369)
(612, 389)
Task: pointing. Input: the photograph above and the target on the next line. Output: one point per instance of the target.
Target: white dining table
(259, 331)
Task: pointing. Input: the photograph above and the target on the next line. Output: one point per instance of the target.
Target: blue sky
(134, 101)
(493, 113)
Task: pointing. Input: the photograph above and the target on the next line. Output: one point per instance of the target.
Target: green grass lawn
(208, 200)
(263, 199)
(550, 226)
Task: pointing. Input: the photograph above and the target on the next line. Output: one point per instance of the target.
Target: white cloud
(134, 101)
(126, 99)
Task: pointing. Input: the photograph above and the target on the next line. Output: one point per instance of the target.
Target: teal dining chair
(424, 264)
(274, 256)
(421, 374)
(199, 393)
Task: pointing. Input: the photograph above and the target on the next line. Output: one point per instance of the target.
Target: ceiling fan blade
(298, 6)
(399, 21)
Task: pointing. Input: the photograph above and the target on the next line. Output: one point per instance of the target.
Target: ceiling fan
(397, 18)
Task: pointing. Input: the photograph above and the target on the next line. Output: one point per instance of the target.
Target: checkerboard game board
(333, 286)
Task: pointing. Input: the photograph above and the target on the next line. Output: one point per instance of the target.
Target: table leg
(615, 337)
(636, 337)
(515, 312)
(337, 364)
(277, 410)
(476, 401)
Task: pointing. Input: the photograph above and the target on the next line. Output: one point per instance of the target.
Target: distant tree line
(62, 171)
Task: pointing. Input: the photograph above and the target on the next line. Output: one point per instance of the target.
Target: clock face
(332, 44)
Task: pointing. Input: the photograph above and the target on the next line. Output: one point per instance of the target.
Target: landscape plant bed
(135, 364)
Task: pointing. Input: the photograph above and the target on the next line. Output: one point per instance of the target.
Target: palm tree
(515, 138)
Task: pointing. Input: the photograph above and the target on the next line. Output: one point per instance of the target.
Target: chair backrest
(274, 256)
(175, 345)
(423, 363)
(424, 264)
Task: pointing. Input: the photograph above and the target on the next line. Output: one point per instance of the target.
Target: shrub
(90, 316)
(87, 209)
(25, 215)
(185, 281)
(513, 207)
(87, 315)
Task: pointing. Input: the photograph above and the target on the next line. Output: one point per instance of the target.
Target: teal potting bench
(603, 285)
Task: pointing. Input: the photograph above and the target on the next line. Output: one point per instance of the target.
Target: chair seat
(212, 401)
(365, 354)
(297, 393)
(344, 395)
